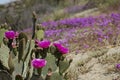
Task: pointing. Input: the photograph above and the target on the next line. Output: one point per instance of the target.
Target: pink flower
(16, 34)
(57, 44)
(61, 48)
(86, 46)
(44, 44)
(14, 45)
(38, 63)
(10, 34)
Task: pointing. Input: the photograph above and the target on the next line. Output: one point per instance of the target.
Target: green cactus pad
(26, 59)
(18, 67)
(63, 66)
(50, 64)
(40, 34)
(4, 54)
(23, 35)
(2, 31)
(4, 75)
(56, 76)
(10, 63)
(27, 49)
(52, 49)
(21, 49)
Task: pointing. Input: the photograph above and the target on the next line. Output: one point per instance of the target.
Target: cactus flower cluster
(42, 51)
(33, 59)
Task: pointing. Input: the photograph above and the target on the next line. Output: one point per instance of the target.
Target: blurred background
(17, 13)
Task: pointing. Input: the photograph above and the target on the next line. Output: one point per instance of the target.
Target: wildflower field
(86, 32)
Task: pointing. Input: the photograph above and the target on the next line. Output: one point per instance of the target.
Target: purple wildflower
(86, 46)
(118, 66)
(100, 39)
(38, 63)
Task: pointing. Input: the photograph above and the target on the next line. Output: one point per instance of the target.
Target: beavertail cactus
(32, 59)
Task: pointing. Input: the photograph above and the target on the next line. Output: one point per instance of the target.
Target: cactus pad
(56, 76)
(63, 66)
(50, 64)
(40, 34)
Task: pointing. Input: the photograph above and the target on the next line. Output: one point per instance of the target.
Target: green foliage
(52, 49)
(2, 31)
(56, 76)
(4, 54)
(4, 75)
(21, 49)
(10, 63)
(18, 67)
(23, 35)
(28, 69)
(63, 66)
(50, 64)
(39, 34)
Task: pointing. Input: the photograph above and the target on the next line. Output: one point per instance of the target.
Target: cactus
(10, 63)
(50, 64)
(23, 35)
(34, 24)
(2, 31)
(4, 54)
(16, 61)
(4, 75)
(63, 66)
(21, 49)
(39, 34)
(56, 76)
(27, 67)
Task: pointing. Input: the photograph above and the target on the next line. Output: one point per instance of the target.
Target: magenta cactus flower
(38, 63)
(57, 44)
(118, 66)
(44, 44)
(61, 49)
(10, 34)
